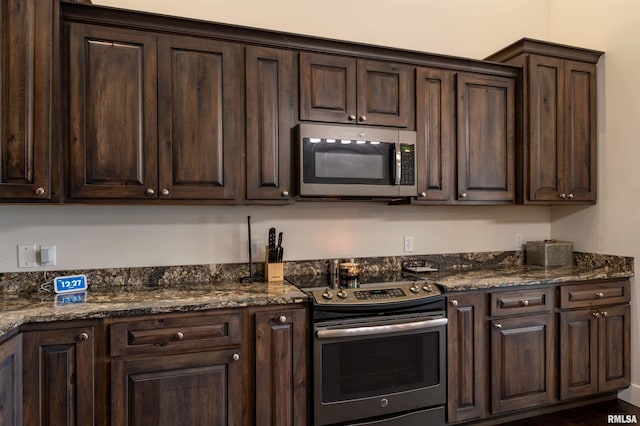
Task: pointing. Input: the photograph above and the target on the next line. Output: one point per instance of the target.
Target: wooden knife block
(272, 271)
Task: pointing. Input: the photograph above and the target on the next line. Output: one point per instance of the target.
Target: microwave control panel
(407, 164)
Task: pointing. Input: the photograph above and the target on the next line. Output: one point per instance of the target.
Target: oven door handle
(380, 329)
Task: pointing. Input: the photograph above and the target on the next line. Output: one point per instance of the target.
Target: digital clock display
(70, 283)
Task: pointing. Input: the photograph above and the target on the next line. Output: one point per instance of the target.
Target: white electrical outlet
(408, 244)
(518, 241)
(27, 256)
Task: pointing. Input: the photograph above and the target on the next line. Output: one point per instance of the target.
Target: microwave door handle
(380, 329)
(398, 158)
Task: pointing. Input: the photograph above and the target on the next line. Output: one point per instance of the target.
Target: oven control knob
(427, 287)
(415, 288)
(342, 294)
(327, 294)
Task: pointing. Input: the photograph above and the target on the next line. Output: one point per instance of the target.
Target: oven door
(377, 367)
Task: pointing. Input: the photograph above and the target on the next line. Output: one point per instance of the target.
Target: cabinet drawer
(597, 294)
(171, 334)
(521, 301)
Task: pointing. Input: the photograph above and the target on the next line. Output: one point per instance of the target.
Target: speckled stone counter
(138, 291)
(19, 308)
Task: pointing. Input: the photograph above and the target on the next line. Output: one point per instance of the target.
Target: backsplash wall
(91, 237)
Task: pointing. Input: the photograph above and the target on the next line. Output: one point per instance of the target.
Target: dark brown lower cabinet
(594, 350)
(203, 388)
(467, 358)
(281, 389)
(58, 376)
(10, 382)
(522, 362)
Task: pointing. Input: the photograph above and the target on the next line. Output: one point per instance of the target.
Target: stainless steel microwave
(355, 161)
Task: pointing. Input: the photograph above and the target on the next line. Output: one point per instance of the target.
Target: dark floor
(596, 414)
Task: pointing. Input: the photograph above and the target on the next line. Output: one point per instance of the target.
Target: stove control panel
(375, 293)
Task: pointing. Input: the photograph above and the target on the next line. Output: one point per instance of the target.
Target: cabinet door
(28, 35)
(112, 96)
(486, 139)
(467, 354)
(614, 344)
(578, 353)
(58, 376)
(580, 131)
(201, 128)
(281, 367)
(522, 362)
(435, 134)
(271, 82)
(385, 93)
(545, 150)
(327, 88)
(11, 382)
(203, 388)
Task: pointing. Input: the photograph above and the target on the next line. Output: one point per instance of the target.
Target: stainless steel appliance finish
(379, 351)
(355, 161)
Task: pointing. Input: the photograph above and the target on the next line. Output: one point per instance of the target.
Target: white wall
(613, 225)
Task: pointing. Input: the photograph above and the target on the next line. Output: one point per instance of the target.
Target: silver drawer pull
(524, 302)
(83, 336)
(235, 357)
(179, 335)
(497, 325)
(596, 314)
(282, 319)
(599, 295)
(454, 303)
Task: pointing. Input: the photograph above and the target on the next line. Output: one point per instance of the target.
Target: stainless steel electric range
(379, 350)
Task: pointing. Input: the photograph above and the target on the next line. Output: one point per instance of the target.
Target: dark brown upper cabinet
(558, 155)
(343, 89)
(466, 140)
(436, 135)
(153, 116)
(200, 118)
(271, 100)
(485, 138)
(28, 108)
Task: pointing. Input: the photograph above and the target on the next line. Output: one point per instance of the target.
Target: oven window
(364, 368)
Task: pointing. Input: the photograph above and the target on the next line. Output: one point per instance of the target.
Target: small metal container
(549, 253)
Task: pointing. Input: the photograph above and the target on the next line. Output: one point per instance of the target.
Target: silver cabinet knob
(179, 335)
(235, 357)
(497, 325)
(40, 191)
(570, 196)
(596, 314)
(352, 117)
(83, 336)
(285, 193)
(363, 118)
(563, 196)
(282, 319)
(423, 195)
(604, 313)
(599, 295)
(464, 195)
(524, 302)
(165, 191)
(454, 303)
(150, 191)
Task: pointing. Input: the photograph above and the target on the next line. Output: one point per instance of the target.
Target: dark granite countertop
(140, 291)
(18, 309)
